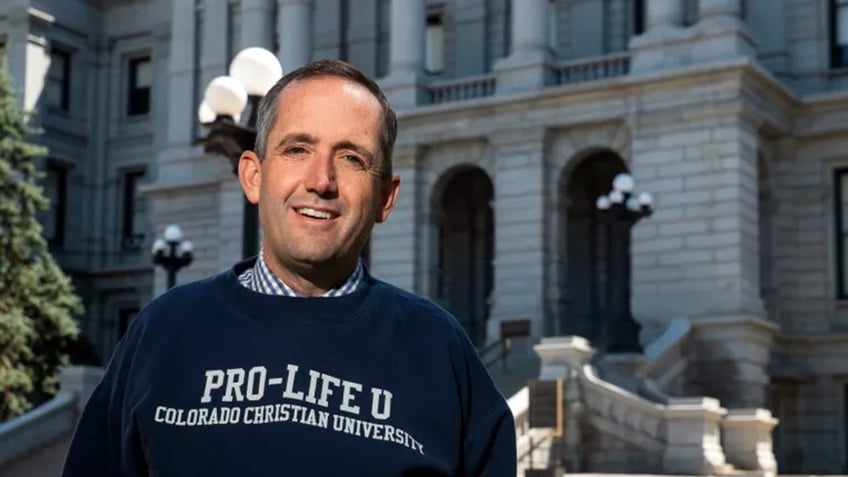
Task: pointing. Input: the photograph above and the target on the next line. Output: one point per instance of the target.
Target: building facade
(515, 115)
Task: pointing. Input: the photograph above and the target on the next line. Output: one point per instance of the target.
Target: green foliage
(37, 300)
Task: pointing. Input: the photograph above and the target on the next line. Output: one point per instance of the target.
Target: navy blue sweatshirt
(215, 379)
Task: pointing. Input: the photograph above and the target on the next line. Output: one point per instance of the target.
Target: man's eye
(296, 150)
(355, 160)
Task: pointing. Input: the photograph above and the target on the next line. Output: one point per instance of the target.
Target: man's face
(319, 188)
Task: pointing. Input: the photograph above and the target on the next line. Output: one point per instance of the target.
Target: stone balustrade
(470, 87)
(746, 435)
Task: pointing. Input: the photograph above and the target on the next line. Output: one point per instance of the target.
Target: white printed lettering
(386, 412)
(256, 383)
(235, 379)
(348, 397)
(289, 392)
(214, 380)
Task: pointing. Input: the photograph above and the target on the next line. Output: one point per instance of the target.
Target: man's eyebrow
(297, 137)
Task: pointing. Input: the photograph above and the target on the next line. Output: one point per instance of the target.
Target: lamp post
(620, 210)
(252, 73)
(172, 252)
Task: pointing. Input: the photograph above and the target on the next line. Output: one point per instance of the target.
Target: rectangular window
(138, 91)
(434, 46)
(55, 189)
(638, 17)
(553, 25)
(57, 88)
(841, 216)
(134, 212)
(839, 33)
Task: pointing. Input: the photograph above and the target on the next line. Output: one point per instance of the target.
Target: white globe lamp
(257, 69)
(225, 96)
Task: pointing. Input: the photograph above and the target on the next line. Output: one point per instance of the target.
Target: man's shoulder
(420, 313)
(176, 302)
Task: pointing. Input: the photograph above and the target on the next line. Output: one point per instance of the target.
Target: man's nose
(321, 175)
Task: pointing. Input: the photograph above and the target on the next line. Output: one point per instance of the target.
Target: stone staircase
(626, 414)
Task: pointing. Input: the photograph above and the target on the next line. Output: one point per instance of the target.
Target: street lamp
(172, 252)
(620, 210)
(252, 73)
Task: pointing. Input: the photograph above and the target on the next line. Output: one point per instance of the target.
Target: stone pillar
(747, 442)
(519, 264)
(526, 66)
(406, 53)
(690, 259)
(692, 433)
(294, 27)
(529, 26)
(663, 14)
(256, 24)
(564, 358)
(720, 31)
(181, 113)
(401, 233)
(659, 45)
(729, 359)
(711, 10)
(18, 25)
(213, 42)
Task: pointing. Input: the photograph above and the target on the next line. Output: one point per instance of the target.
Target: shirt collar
(262, 280)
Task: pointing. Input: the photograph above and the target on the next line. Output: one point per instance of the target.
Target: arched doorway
(583, 309)
(464, 276)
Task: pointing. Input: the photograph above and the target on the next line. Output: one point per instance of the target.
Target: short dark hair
(267, 113)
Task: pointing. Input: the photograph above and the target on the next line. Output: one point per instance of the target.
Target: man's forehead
(346, 85)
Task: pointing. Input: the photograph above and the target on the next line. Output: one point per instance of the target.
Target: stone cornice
(766, 100)
(823, 114)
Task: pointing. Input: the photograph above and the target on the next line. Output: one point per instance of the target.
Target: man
(299, 362)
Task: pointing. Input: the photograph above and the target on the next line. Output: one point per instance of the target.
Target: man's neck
(309, 281)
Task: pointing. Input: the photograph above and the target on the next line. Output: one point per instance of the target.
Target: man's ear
(388, 195)
(250, 175)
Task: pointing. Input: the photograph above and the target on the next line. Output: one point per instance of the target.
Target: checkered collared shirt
(261, 279)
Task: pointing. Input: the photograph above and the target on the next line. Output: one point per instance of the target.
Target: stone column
(712, 9)
(529, 26)
(564, 358)
(181, 113)
(720, 31)
(256, 24)
(526, 66)
(746, 437)
(659, 45)
(406, 53)
(663, 13)
(294, 27)
(401, 233)
(213, 42)
(519, 263)
(692, 431)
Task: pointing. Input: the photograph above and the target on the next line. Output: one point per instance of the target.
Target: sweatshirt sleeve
(106, 441)
(490, 448)
(489, 445)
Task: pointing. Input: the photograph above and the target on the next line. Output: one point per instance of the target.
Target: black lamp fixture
(172, 253)
(252, 73)
(620, 210)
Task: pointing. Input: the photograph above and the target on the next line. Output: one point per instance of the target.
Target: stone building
(515, 115)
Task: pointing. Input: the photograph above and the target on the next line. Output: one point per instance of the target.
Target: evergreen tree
(37, 300)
